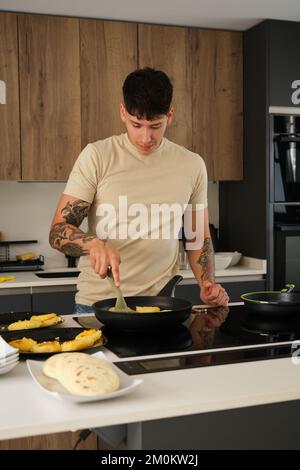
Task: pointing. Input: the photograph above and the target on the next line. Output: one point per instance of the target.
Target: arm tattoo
(206, 261)
(75, 212)
(66, 236)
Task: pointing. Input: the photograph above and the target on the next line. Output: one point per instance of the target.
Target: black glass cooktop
(205, 330)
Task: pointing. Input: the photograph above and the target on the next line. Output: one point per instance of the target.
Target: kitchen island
(249, 405)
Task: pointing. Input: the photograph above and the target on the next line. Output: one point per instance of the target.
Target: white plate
(6, 350)
(9, 360)
(9, 367)
(54, 388)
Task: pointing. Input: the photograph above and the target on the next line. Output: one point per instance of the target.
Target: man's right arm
(66, 236)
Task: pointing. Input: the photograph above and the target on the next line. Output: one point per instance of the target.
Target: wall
(26, 211)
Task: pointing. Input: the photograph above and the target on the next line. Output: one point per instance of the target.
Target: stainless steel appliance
(285, 200)
(286, 140)
(287, 245)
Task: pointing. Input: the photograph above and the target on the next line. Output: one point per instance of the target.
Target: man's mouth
(146, 147)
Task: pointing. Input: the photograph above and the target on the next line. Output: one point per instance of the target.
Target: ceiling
(222, 14)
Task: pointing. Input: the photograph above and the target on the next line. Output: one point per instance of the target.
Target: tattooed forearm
(75, 212)
(62, 235)
(206, 261)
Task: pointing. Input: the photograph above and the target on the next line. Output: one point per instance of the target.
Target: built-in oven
(286, 144)
(287, 245)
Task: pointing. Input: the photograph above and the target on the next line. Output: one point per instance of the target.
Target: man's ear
(122, 112)
(170, 115)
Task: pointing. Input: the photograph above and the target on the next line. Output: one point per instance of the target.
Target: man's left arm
(202, 264)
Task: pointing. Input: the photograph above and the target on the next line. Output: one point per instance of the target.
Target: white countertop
(247, 267)
(26, 410)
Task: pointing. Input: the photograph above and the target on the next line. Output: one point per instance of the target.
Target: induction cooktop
(215, 330)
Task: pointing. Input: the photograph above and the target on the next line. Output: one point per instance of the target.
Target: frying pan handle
(288, 288)
(169, 289)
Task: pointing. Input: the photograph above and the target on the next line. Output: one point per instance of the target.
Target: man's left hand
(213, 294)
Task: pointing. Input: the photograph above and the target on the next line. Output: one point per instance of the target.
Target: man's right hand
(104, 255)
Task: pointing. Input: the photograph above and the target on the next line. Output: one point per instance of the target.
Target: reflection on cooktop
(126, 344)
(211, 328)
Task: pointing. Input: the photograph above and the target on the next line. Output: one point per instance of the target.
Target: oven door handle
(287, 228)
(287, 138)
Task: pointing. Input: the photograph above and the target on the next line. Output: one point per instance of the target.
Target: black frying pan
(180, 310)
(284, 302)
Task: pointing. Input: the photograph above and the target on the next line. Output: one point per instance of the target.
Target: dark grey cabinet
(191, 292)
(61, 302)
(58, 299)
(284, 63)
(15, 303)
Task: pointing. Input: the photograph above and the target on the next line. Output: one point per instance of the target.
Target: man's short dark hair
(147, 93)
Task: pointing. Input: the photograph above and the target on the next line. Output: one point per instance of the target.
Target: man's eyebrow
(151, 123)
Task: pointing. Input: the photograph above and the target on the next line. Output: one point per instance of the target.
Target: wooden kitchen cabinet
(69, 74)
(9, 98)
(59, 441)
(108, 53)
(206, 68)
(49, 95)
(217, 97)
(167, 48)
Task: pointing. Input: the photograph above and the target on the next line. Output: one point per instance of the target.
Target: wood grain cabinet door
(9, 99)
(217, 90)
(167, 48)
(49, 96)
(108, 51)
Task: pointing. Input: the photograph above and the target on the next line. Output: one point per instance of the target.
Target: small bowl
(222, 261)
(234, 255)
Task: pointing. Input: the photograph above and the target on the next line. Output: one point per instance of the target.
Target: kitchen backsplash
(27, 209)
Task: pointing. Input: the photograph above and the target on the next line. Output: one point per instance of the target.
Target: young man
(120, 174)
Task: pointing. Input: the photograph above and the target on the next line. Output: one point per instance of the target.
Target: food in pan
(86, 339)
(43, 317)
(46, 347)
(36, 321)
(143, 309)
(82, 374)
(24, 344)
(147, 309)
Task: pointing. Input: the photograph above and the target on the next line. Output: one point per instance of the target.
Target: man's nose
(146, 136)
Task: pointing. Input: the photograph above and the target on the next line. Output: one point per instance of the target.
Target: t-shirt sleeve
(199, 193)
(85, 175)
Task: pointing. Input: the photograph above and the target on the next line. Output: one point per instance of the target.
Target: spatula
(120, 305)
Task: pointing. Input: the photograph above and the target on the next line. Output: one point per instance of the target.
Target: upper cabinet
(64, 77)
(9, 98)
(49, 96)
(206, 68)
(108, 51)
(217, 94)
(167, 48)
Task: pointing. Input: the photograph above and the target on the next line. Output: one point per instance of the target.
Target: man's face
(145, 135)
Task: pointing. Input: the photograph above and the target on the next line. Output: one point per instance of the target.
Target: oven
(287, 245)
(286, 144)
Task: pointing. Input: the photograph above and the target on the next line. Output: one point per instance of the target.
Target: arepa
(86, 375)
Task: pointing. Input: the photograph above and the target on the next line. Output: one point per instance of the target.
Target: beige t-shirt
(110, 168)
